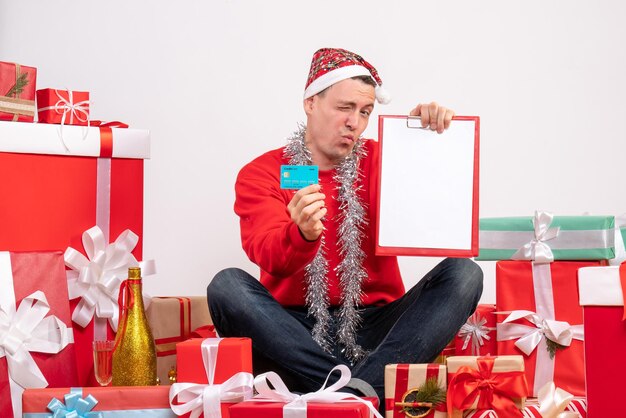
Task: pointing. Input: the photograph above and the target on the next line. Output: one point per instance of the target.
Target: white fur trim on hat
(335, 76)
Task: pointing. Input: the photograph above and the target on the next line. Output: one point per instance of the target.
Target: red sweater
(273, 242)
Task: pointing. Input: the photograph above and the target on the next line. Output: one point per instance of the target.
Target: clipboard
(427, 200)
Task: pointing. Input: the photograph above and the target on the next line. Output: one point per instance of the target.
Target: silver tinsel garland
(350, 270)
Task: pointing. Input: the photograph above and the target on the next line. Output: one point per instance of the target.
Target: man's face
(336, 119)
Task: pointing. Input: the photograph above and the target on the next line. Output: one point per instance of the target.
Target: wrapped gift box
(344, 409)
(54, 189)
(401, 379)
(25, 278)
(203, 362)
(568, 237)
(63, 107)
(274, 400)
(466, 381)
(233, 355)
(602, 295)
(540, 294)
(112, 401)
(576, 406)
(449, 350)
(17, 92)
(478, 336)
(172, 320)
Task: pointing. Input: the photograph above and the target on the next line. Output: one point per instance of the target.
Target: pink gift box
(21, 276)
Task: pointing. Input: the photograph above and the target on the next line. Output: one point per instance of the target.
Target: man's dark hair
(364, 78)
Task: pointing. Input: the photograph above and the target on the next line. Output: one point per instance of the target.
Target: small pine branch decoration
(18, 87)
(418, 403)
(553, 347)
(430, 392)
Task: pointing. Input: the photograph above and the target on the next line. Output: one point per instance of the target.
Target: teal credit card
(298, 176)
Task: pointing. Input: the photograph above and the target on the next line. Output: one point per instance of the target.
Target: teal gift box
(545, 238)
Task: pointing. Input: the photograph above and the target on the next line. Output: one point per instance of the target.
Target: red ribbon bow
(493, 390)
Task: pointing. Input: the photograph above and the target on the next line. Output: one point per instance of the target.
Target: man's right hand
(307, 210)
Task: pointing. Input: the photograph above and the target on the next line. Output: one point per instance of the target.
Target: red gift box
(346, 409)
(477, 336)
(274, 398)
(33, 280)
(17, 92)
(233, 355)
(486, 382)
(402, 378)
(212, 361)
(448, 350)
(136, 400)
(576, 406)
(543, 298)
(602, 294)
(52, 194)
(63, 107)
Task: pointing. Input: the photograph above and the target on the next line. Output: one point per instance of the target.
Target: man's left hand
(433, 116)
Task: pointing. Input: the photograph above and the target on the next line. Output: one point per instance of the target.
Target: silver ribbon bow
(476, 332)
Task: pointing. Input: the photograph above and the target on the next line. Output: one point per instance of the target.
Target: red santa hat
(332, 65)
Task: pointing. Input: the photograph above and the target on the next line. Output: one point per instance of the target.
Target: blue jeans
(413, 329)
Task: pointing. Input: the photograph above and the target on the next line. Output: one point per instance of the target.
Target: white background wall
(218, 82)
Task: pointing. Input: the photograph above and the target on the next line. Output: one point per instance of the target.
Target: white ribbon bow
(476, 331)
(206, 398)
(528, 337)
(296, 405)
(199, 398)
(537, 249)
(97, 278)
(26, 330)
(553, 401)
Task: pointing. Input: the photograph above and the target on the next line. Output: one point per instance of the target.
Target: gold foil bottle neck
(134, 273)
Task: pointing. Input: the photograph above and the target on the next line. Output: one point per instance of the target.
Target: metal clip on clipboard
(415, 122)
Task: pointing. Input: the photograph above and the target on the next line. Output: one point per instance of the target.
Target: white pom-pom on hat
(382, 95)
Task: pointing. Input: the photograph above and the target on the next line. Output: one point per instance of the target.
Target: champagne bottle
(134, 358)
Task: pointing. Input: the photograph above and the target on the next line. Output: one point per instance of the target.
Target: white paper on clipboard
(428, 192)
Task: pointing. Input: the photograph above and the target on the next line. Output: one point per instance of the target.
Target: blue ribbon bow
(75, 406)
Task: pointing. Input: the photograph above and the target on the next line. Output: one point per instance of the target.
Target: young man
(324, 298)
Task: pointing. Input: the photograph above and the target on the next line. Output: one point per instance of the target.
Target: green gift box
(545, 238)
